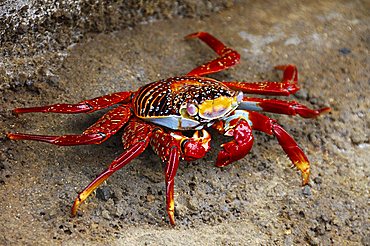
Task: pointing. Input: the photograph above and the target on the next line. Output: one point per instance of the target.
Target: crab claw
(197, 146)
(239, 146)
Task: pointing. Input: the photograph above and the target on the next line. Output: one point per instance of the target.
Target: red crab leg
(139, 134)
(106, 126)
(287, 86)
(117, 164)
(86, 106)
(170, 173)
(168, 149)
(228, 57)
(237, 148)
(294, 152)
(280, 107)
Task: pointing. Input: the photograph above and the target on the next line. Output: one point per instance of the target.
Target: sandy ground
(257, 200)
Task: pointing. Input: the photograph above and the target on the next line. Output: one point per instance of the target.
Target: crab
(172, 116)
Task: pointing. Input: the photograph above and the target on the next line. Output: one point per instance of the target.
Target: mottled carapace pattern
(165, 97)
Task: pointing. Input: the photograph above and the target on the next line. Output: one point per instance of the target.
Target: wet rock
(240, 205)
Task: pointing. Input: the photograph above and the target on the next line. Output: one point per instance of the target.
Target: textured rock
(255, 201)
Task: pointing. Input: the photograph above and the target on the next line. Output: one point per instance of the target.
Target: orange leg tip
(73, 212)
(305, 179)
(192, 35)
(304, 167)
(324, 110)
(75, 207)
(11, 136)
(171, 215)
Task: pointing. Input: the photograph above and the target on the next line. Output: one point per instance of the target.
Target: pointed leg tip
(73, 212)
(75, 207)
(324, 110)
(305, 176)
(193, 35)
(25, 136)
(14, 136)
(171, 216)
(190, 36)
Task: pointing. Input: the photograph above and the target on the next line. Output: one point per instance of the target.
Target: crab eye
(239, 97)
(192, 109)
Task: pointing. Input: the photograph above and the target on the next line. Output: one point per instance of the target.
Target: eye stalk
(189, 109)
(192, 109)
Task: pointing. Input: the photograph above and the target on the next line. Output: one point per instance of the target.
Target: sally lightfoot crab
(159, 112)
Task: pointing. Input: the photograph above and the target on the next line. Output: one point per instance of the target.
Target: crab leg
(240, 146)
(171, 147)
(170, 173)
(117, 164)
(228, 57)
(135, 140)
(105, 127)
(294, 152)
(287, 86)
(86, 106)
(280, 107)
(168, 149)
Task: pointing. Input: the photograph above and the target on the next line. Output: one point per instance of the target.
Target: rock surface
(257, 200)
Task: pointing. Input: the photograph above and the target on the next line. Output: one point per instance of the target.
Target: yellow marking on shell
(212, 109)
